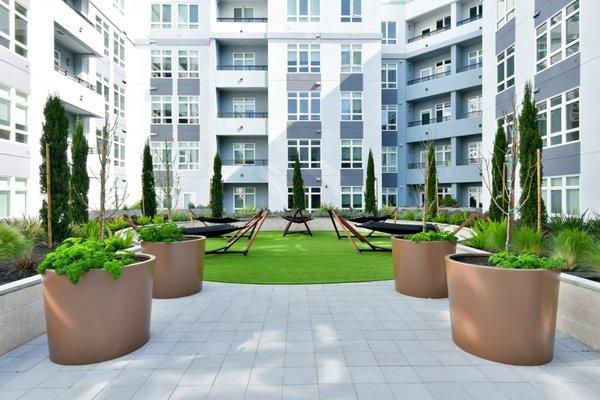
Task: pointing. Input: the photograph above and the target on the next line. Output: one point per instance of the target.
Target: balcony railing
(429, 77)
(242, 67)
(470, 19)
(471, 114)
(431, 33)
(234, 19)
(75, 78)
(434, 120)
(474, 161)
(469, 67)
(420, 165)
(246, 163)
(243, 115)
(72, 6)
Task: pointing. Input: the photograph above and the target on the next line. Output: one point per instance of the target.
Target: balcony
(435, 120)
(446, 174)
(470, 19)
(78, 95)
(238, 19)
(428, 34)
(235, 124)
(75, 31)
(242, 76)
(251, 171)
(469, 67)
(446, 128)
(429, 77)
(469, 76)
(235, 20)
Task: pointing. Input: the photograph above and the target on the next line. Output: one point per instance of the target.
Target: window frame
(388, 68)
(186, 161)
(162, 102)
(312, 149)
(163, 57)
(355, 159)
(386, 111)
(313, 11)
(504, 13)
(312, 53)
(161, 23)
(386, 28)
(244, 148)
(546, 107)
(389, 153)
(352, 15)
(192, 60)
(188, 24)
(352, 192)
(190, 113)
(310, 194)
(351, 50)
(243, 192)
(350, 99)
(387, 193)
(300, 98)
(564, 187)
(503, 58)
(544, 31)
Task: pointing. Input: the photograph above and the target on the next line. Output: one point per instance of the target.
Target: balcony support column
(454, 58)
(454, 104)
(454, 11)
(455, 150)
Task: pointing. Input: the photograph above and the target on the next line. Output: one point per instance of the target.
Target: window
(161, 154)
(351, 58)
(102, 27)
(389, 77)
(103, 89)
(389, 197)
(13, 197)
(244, 107)
(389, 159)
(561, 194)
(189, 155)
(119, 101)
(244, 197)
(474, 193)
(558, 37)
(506, 11)
(388, 32)
(119, 49)
(312, 197)
(474, 106)
(352, 197)
(5, 113)
(474, 58)
(189, 110)
(244, 59)
(474, 152)
(21, 109)
(351, 106)
(308, 151)
(351, 153)
(187, 16)
(443, 111)
(303, 58)
(161, 64)
(506, 68)
(162, 110)
(20, 29)
(188, 64)
(351, 11)
(304, 106)
(558, 118)
(241, 13)
(118, 151)
(388, 117)
(244, 153)
(188, 200)
(161, 16)
(119, 5)
(443, 154)
(13, 114)
(4, 24)
(303, 11)
(443, 66)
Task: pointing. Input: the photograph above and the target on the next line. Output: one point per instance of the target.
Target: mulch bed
(10, 272)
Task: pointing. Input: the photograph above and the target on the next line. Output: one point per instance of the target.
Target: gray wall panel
(161, 132)
(304, 130)
(389, 180)
(303, 82)
(311, 177)
(505, 36)
(188, 133)
(188, 87)
(389, 138)
(504, 101)
(558, 78)
(389, 96)
(351, 129)
(161, 86)
(545, 9)
(351, 177)
(351, 82)
(562, 160)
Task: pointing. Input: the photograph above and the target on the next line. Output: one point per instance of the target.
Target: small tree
(499, 194)
(431, 197)
(148, 189)
(298, 186)
(166, 180)
(80, 181)
(216, 189)
(370, 201)
(55, 133)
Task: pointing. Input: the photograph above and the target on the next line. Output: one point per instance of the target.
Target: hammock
(211, 231)
(224, 220)
(365, 219)
(397, 229)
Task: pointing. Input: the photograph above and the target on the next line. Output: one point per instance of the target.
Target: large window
(187, 16)
(189, 155)
(351, 11)
(244, 107)
(474, 152)
(244, 153)
(506, 68)
(474, 58)
(389, 76)
(162, 109)
(119, 101)
(244, 197)
(119, 49)
(389, 197)
(243, 13)
(4, 24)
(304, 106)
(443, 154)
(13, 34)
(189, 110)
(352, 197)
(558, 37)
(303, 58)
(308, 151)
(20, 29)
(312, 197)
(351, 58)
(388, 117)
(119, 150)
(389, 159)
(505, 11)
(13, 115)
(303, 11)
(161, 16)
(244, 59)
(13, 197)
(102, 27)
(161, 154)
(188, 63)
(561, 194)
(162, 63)
(103, 89)
(388, 32)
(558, 118)
(351, 153)
(474, 106)
(351, 106)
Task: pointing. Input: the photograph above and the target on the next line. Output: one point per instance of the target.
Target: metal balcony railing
(471, 114)
(421, 165)
(470, 67)
(243, 115)
(72, 6)
(434, 120)
(470, 19)
(431, 33)
(75, 78)
(429, 77)
(246, 163)
(242, 67)
(234, 19)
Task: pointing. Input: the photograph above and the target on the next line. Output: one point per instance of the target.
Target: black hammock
(366, 219)
(211, 231)
(397, 229)
(297, 219)
(224, 220)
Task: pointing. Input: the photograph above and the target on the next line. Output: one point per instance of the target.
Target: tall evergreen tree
(370, 201)
(298, 186)
(499, 203)
(530, 141)
(148, 188)
(80, 181)
(55, 132)
(216, 189)
(431, 200)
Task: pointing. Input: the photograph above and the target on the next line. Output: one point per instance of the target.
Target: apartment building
(552, 45)
(71, 48)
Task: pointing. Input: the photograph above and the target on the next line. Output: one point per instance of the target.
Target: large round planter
(98, 318)
(419, 267)
(179, 267)
(503, 315)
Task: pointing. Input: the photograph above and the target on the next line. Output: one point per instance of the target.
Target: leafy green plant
(77, 256)
(593, 260)
(558, 223)
(31, 228)
(326, 207)
(13, 244)
(442, 218)
(143, 220)
(179, 217)
(166, 232)
(370, 200)
(433, 236)
(388, 210)
(116, 224)
(574, 246)
(528, 240)
(488, 235)
(505, 259)
(89, 230)
(448, 201)
(158, 219)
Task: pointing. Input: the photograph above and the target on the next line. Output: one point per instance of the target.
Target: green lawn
(298, 259)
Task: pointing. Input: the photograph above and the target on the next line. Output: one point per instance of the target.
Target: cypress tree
(55, 132)
(148, 189)
(530, 141)
(298, 186)
(216, 189)
(499, 194)
(370, 201)
(80, 181)
(431, 205)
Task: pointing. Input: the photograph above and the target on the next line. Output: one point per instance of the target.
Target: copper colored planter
(179, 267)
(419, 267)
(503, 315)
(98, 318)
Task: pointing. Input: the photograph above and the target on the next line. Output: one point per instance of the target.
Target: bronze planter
(503, 315)
(419, 267)
(98, 318)
(179, 267)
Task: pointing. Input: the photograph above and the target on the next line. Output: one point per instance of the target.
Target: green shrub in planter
(13, 244)
(574, 246)
(489, 236)
(528, 240)
(116, 224)
(505, 259)
(433, 236)
(166, 232)
(88, 230)
(143, 220)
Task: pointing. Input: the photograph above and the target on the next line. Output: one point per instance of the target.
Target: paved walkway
(347, 341)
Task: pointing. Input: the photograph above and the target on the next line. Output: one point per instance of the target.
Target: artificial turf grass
(298, 259)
